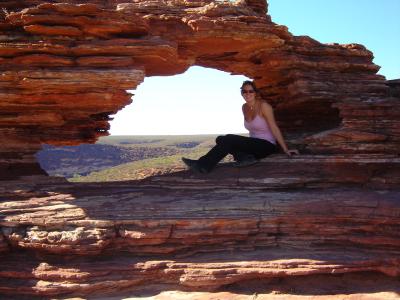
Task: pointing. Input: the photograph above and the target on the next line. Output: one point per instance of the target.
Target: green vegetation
(119, 158)
(191, 146)
(156, 140)
(140, 169)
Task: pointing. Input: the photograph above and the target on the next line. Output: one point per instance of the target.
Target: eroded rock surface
(66, 66)
(333, 213)
(191, 232)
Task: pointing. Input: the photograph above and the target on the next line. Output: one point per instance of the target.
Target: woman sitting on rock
(264, 133)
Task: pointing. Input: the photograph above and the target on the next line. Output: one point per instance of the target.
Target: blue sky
(203, 101)
(373, 23)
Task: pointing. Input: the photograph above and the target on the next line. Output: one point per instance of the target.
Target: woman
(264, 133)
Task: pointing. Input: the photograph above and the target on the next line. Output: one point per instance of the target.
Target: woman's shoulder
(266, 106)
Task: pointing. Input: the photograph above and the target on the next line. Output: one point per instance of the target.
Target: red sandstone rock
(70, 222)
(192, 237)
(53, 30)
(367, 127)
(65, 67)
(301, 77)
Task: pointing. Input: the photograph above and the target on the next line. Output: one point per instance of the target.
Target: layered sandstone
(66, 66)
(330, 216)
(394, 87)
(206, 232)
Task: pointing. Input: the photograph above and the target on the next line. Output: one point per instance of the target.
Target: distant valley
(122, 157)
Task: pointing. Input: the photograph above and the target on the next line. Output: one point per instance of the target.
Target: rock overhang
(64, 71)
(66, 67)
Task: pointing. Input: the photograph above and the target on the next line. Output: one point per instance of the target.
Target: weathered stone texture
(283, 219)
(65, 67)
(200, 233)
(394, 87)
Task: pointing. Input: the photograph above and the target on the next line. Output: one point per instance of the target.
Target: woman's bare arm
(268, 114)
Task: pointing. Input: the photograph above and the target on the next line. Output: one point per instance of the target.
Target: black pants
(238, 146)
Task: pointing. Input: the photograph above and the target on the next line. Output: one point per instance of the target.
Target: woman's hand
(291, 152)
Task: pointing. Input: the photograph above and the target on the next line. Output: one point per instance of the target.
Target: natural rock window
(322, 224)
(67, 66)
(199, 101)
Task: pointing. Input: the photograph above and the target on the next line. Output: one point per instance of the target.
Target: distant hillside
(83, 159)
(121, 155)
(139, 169)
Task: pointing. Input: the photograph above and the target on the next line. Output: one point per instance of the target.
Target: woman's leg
(218, 152)
(259, 148)
(235, 144)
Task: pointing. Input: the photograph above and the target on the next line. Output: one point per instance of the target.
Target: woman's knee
(231, 136)
(220, 139)
(225, 138)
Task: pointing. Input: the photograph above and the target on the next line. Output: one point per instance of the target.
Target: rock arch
(66, 66)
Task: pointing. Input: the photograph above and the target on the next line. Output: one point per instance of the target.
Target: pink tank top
(258, 128)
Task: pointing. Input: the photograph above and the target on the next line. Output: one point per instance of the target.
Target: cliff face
(311, 225)
(66, 66)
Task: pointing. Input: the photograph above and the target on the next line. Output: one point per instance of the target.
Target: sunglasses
(248, 91)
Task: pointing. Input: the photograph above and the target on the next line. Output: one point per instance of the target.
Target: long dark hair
(249, 82)
(257, 98)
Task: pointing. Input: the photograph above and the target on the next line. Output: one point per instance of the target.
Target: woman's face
(248, 93)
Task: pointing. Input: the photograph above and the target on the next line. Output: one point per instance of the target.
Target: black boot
(194, 165)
